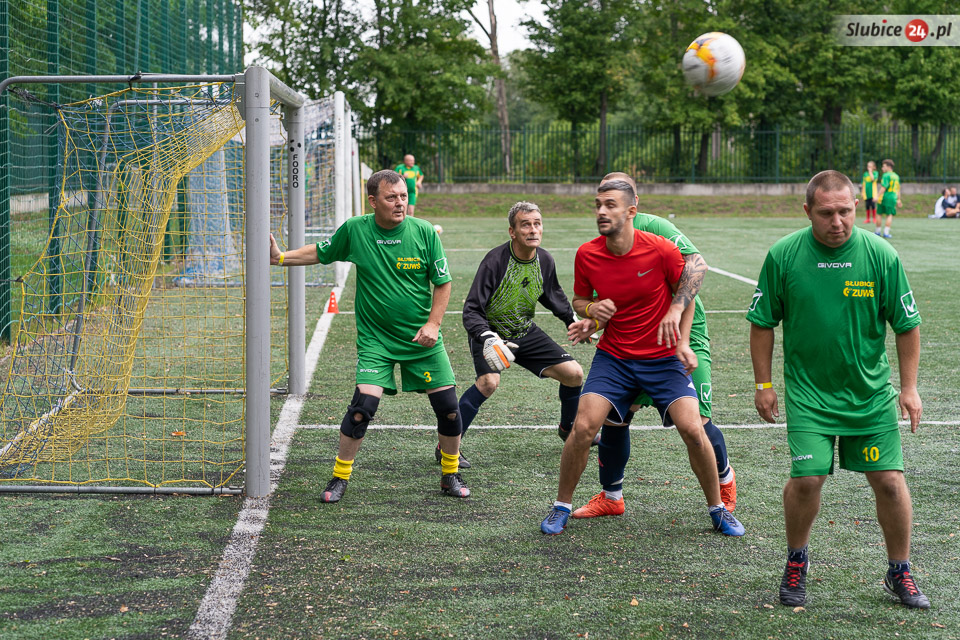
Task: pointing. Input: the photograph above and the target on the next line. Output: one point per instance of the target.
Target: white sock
(613, 495)
(886, 230)
(715, 507)
(879, 228)
(568, 505)
(727, 475)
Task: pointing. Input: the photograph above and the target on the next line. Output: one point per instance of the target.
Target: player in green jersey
(414, 178)
(835, 288)
(613, 433)
(889, 197)
(868, 191)
(398, 321)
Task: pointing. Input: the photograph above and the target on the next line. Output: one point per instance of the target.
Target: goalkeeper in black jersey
(498, 317)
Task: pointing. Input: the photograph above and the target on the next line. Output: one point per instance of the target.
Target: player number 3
(427, 378)
(871, 454)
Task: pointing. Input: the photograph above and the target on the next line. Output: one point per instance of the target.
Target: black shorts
(870, 203)
(535, 352)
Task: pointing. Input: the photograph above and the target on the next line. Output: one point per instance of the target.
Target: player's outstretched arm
(305, 255)
(429, 333)
(761, 353)
(908, 355)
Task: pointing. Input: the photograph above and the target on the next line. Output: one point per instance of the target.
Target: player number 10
(871, 454)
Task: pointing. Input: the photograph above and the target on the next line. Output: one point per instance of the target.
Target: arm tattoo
(691, 279)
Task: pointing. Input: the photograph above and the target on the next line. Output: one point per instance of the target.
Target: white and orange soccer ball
(713, 63)
(438, 228)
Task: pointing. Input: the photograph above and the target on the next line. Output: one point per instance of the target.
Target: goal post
(45, 423)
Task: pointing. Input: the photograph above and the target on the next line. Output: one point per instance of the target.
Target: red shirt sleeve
(581, 281)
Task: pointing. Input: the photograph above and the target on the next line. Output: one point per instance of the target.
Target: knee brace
(362, 405)
(445, 404)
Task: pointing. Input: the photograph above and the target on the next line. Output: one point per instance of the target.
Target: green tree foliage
(577, 62)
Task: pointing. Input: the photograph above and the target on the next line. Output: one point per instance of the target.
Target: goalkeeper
(510, 281)
(398, 321)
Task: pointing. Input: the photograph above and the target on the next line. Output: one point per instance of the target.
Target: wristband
(587, 310)
(597, 322)
(764, 385)
(280, 261)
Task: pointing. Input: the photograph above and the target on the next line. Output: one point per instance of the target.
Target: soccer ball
(713, 63)
(438, 228)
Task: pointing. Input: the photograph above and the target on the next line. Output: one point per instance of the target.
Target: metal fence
(84, 37)
(559, 153)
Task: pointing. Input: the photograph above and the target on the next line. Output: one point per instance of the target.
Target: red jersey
(640, 283)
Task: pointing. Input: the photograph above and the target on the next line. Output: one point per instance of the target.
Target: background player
(835, 287)
(634, 275)
(510, 281)
(614, 434)
(414, 178)
(889, 197)
(868, 191)
(398, 321)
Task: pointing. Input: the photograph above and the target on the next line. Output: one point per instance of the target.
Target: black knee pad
(444, 404)
(364, 405)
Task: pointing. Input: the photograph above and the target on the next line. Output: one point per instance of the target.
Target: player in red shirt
(644, 348)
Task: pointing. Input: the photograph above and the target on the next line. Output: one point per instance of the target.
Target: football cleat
(452, 485)
(728, 491)
(902, 586)
(556, 521)
(334, 490)
(600, 505)
(793, 584)
(725, 523)
(887, 236)
(565, 433)
(464, 463)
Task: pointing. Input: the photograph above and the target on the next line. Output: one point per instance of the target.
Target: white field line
(215, 614)
(735, 276)
(548, 427)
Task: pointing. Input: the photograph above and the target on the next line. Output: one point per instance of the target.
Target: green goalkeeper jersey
(835, 305)
(394, 271)
(666, 229)
(891, 184)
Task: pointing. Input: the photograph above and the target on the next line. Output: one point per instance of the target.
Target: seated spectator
(942, 208)
(952, 200)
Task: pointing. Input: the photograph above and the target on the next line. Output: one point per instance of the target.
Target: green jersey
(666, 229)
(410, 174)
(835, 305)
(891, 184)
(394, 270)
(869, 182)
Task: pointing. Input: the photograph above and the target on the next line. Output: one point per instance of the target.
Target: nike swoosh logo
(640, 274)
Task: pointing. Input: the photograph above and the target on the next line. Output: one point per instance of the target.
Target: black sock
(797, 555)
(569, 401)
(898, 567)
(470, 403)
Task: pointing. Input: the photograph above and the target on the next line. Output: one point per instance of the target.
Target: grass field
(395, 559)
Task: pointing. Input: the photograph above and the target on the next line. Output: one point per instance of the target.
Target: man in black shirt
(498, 317)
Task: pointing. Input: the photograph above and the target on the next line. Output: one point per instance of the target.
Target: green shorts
(419, 374)
(887, 207)
(811, 453)
(701, 381)
(411, 196)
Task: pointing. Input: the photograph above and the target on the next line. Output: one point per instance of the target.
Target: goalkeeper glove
(497, 352)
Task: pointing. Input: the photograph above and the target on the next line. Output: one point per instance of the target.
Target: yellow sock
(342, 468)
(449, 462)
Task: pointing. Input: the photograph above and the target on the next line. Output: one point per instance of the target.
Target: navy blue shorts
(621, 381)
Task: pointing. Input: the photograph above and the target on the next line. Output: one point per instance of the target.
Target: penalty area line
(553, 427)
(215, 613)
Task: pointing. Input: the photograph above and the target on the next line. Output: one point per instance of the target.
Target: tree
(499, 84)
(576, 63)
